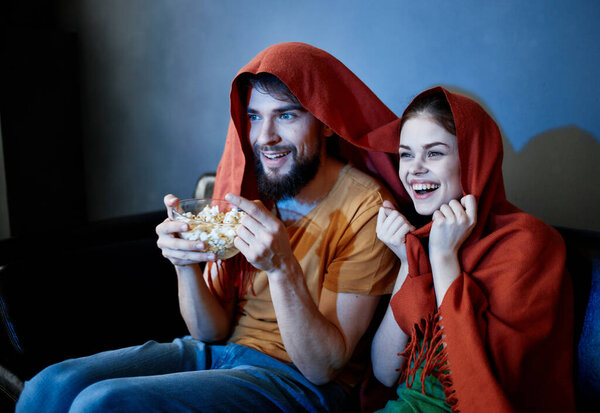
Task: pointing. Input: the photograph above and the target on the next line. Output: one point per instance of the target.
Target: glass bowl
(212, 221)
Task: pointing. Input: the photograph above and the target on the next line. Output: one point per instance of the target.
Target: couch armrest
(100, 286)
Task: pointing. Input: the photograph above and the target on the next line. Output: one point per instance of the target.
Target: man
(285, 316)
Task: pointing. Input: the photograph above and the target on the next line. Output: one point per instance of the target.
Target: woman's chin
(425, 210)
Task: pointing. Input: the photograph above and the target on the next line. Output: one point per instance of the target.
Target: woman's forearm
(389, 341)
(445, 268)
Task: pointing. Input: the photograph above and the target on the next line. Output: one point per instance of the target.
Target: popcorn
(213, 227)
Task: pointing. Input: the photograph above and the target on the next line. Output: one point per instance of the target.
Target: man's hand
(392, 228)
(179, 251)
(261, 237)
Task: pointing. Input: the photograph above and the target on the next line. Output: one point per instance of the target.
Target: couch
(106, 285)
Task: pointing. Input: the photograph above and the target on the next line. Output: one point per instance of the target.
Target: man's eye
(287, 116)
(253, 117)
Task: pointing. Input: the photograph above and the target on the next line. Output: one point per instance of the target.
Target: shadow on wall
(554, 177)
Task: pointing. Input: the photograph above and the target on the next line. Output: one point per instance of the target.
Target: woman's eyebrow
(429, 145)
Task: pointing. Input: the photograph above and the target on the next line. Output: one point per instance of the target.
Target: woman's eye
(434, 154)
(405, 154)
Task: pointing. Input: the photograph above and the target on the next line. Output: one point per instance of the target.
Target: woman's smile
(429, 164)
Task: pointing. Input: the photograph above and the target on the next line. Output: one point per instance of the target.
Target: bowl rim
(210, 200)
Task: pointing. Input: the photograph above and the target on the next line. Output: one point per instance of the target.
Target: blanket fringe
(426, 348)
(234, 276)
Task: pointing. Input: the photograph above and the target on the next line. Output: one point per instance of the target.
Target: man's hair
(434, 105)
(271, 85)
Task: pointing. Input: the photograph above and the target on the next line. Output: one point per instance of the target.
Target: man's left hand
(261, 237)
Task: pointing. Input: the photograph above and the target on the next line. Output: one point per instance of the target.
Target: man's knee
(104, 396)
(52, 387)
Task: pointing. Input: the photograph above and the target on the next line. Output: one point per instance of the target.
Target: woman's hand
(392, 228)
(452, 225)
(179, 251)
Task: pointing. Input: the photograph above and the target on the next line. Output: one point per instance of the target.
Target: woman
(481, 311)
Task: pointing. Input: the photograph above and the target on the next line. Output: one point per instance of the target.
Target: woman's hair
(433, 105)
(271, 85)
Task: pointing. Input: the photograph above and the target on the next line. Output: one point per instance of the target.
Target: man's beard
(288, 186)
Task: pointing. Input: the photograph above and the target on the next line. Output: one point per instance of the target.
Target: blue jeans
(183, 376)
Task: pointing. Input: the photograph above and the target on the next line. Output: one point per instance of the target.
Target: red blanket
(328, 90)
(507, 320)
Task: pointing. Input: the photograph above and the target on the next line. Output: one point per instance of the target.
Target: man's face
(287, 142)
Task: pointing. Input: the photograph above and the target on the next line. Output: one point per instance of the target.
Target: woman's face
(429, 165)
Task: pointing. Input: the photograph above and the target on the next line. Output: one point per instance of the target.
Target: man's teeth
(425, 187)
(275, 155)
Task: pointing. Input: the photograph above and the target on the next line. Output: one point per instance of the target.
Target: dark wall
(41, 119)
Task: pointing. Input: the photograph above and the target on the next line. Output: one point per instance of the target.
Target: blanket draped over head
(505, 325)
(330, 92)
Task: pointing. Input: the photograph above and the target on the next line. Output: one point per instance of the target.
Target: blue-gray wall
(157, 73)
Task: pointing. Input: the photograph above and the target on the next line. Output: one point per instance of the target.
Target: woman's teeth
(422, 188)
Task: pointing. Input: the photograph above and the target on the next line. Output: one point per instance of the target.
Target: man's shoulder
(360, 184)
(357, 190)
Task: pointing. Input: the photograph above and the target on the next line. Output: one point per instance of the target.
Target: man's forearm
(204, 316)
(315, 345)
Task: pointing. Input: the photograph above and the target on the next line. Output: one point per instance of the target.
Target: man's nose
(267, 133)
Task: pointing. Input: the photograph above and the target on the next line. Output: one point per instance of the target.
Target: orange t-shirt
(337, 248)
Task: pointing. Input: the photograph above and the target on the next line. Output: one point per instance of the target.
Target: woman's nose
(418, 166)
